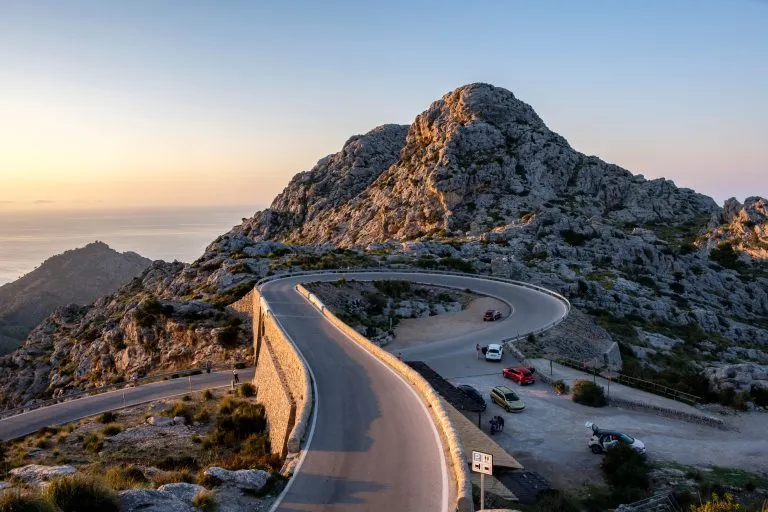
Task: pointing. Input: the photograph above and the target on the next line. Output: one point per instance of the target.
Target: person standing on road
(208, 367)
(477, 349)
(235, 376)
(500, 423)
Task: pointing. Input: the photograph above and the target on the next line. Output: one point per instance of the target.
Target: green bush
(246, 390)
(588, 393)
(16, 501)
(393, 288)
(92, 443)
(626, 471)
(177, 463)
(81, 493)
(236, 421)
(228, 336)
(207, 394)
(108, 417)
(185, 410)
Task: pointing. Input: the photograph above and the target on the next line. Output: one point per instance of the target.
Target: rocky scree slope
(78, 276)
(477, 183)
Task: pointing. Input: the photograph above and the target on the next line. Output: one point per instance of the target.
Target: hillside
(477, 183)
(78, 276)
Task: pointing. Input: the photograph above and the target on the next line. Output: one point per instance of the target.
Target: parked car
(602, 440)
(507, 399)
(494, 352)
(473, 394)
(521, 375)
(491, 315)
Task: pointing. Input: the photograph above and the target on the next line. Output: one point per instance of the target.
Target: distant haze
(155, 103)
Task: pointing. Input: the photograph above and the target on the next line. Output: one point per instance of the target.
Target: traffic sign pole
(482, 491)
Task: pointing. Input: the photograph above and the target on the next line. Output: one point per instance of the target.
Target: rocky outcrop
(34, 474)
(147, 500)
(79, 276)
(249, 479)
(183, 491)
(744, 227)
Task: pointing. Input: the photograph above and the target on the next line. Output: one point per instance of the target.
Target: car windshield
(493, 350)
(510, 395)
(626, 438)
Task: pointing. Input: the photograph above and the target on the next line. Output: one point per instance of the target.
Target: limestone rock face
(249, 479)
(182, 490)
(744, 226)
(146, 500)
(35, 474)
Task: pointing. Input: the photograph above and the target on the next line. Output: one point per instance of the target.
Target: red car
(491, 315)
(520, 375)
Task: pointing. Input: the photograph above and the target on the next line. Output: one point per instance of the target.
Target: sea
(27, 238)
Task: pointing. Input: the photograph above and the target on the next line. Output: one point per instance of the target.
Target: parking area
(549, 436)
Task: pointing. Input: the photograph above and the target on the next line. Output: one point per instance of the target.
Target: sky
(156, 102)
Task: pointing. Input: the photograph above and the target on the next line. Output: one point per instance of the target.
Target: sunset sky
(206, 103)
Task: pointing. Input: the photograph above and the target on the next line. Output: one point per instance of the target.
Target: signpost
(482, 463)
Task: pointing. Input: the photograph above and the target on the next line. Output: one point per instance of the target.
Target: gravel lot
(549, 436)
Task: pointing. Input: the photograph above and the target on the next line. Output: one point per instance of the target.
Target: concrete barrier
(448, 432)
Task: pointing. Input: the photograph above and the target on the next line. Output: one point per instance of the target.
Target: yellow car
(507, 399)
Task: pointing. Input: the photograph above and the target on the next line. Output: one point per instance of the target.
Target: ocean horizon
(29, 237)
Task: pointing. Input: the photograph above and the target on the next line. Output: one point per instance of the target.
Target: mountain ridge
(76, 276)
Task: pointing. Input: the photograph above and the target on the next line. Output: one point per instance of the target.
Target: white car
(494, 352)
(601, 440)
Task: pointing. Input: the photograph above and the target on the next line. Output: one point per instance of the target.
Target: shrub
(186, 398)
(186, 411)
(125, 477)
(112, 429)
(246, 390)
(626, 470)
(92, 443)
(204, 500)
(15, 501)
(256, 444)
(203, 416)
(560, 387)
(177, 463)
(236, 421)
(207, 394)
(393, 288)
(588, 393)
(108, 417)
(81, 493)
(553, 500)
(227, 336)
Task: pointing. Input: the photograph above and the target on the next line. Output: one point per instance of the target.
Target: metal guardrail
(112, 387)
(634, 382)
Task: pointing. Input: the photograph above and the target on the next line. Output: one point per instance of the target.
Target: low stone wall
(669, 413)
(448, 432)
(244, 306)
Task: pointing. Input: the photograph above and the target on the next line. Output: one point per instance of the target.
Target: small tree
(626, 471)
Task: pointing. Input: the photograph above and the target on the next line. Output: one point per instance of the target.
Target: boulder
(146, 500)
(183, 491)
(250, 479)
(161, 421)
(179, 420)
(35, 474)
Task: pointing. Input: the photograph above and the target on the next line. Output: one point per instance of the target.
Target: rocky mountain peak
(743, 226)
(476, 161)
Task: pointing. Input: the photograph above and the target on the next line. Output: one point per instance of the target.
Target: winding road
(372, 444)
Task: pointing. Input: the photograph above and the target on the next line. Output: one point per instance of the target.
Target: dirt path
(412, 332)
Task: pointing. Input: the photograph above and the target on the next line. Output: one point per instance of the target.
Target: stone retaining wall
(274, 393)
(450, 436)
(282, 379)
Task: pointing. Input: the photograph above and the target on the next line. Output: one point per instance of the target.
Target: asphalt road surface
(28, 422)
(374, 446)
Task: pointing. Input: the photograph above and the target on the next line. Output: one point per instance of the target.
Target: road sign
(482, 463)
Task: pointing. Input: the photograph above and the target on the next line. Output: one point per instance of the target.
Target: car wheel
(596, 449)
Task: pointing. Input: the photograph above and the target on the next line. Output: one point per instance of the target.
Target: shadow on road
(338, 491)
